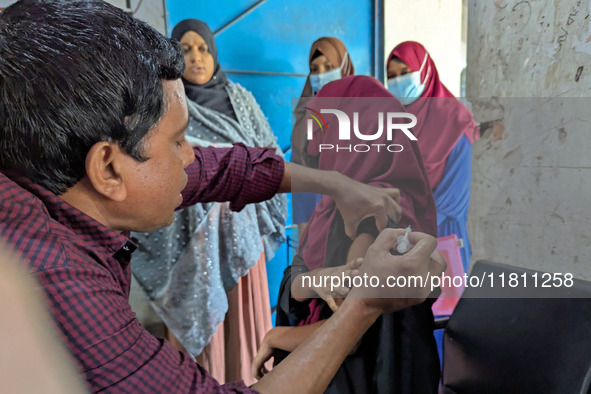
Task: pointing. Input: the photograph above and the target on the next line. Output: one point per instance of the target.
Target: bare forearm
(312, 365)
(359, 246)
(289, 338)
(302, 293)
(300, 179)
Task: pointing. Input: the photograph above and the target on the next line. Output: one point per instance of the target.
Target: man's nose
(188, 155)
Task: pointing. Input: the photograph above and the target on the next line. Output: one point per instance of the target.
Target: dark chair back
(518, 344)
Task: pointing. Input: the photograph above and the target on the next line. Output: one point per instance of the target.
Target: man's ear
(104, 168)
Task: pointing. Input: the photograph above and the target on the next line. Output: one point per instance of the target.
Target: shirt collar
(97, 235)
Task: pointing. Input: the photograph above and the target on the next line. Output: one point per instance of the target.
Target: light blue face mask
(317, 81)
(408, 87)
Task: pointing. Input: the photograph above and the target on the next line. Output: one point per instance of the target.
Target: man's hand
(413, 268)
(357, 201)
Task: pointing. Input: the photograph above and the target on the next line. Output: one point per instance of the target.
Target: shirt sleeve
(114, 352)
(240, 175)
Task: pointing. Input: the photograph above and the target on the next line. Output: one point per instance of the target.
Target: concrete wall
(532, 168)
(6, 3)
(437, 24)
(150, 11)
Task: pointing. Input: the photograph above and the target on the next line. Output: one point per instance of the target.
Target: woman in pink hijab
(329, 61)
(446, 131)
(399, 354)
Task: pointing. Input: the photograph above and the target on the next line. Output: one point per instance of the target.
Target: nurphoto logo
(389, 123)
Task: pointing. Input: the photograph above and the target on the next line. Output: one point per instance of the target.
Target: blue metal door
(264, 46)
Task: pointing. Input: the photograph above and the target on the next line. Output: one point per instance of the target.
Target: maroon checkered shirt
(83, 268)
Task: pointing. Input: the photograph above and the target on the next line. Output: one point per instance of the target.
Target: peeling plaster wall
(529, 48)
(528, 73)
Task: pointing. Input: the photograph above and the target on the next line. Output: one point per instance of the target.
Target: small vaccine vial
(403, 244)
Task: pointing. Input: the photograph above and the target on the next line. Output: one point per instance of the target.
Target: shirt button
(130, 246)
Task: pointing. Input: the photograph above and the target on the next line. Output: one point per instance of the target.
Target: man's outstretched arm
(310, 368)
(355, 200)
(244, 175)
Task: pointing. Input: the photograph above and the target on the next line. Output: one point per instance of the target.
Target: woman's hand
(328, 289)
(357, 201)
(267, 351)
(334, 296)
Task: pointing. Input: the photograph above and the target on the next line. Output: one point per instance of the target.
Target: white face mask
(317, 81)
(408, 87)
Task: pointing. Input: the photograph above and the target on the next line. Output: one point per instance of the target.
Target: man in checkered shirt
(92, 146)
